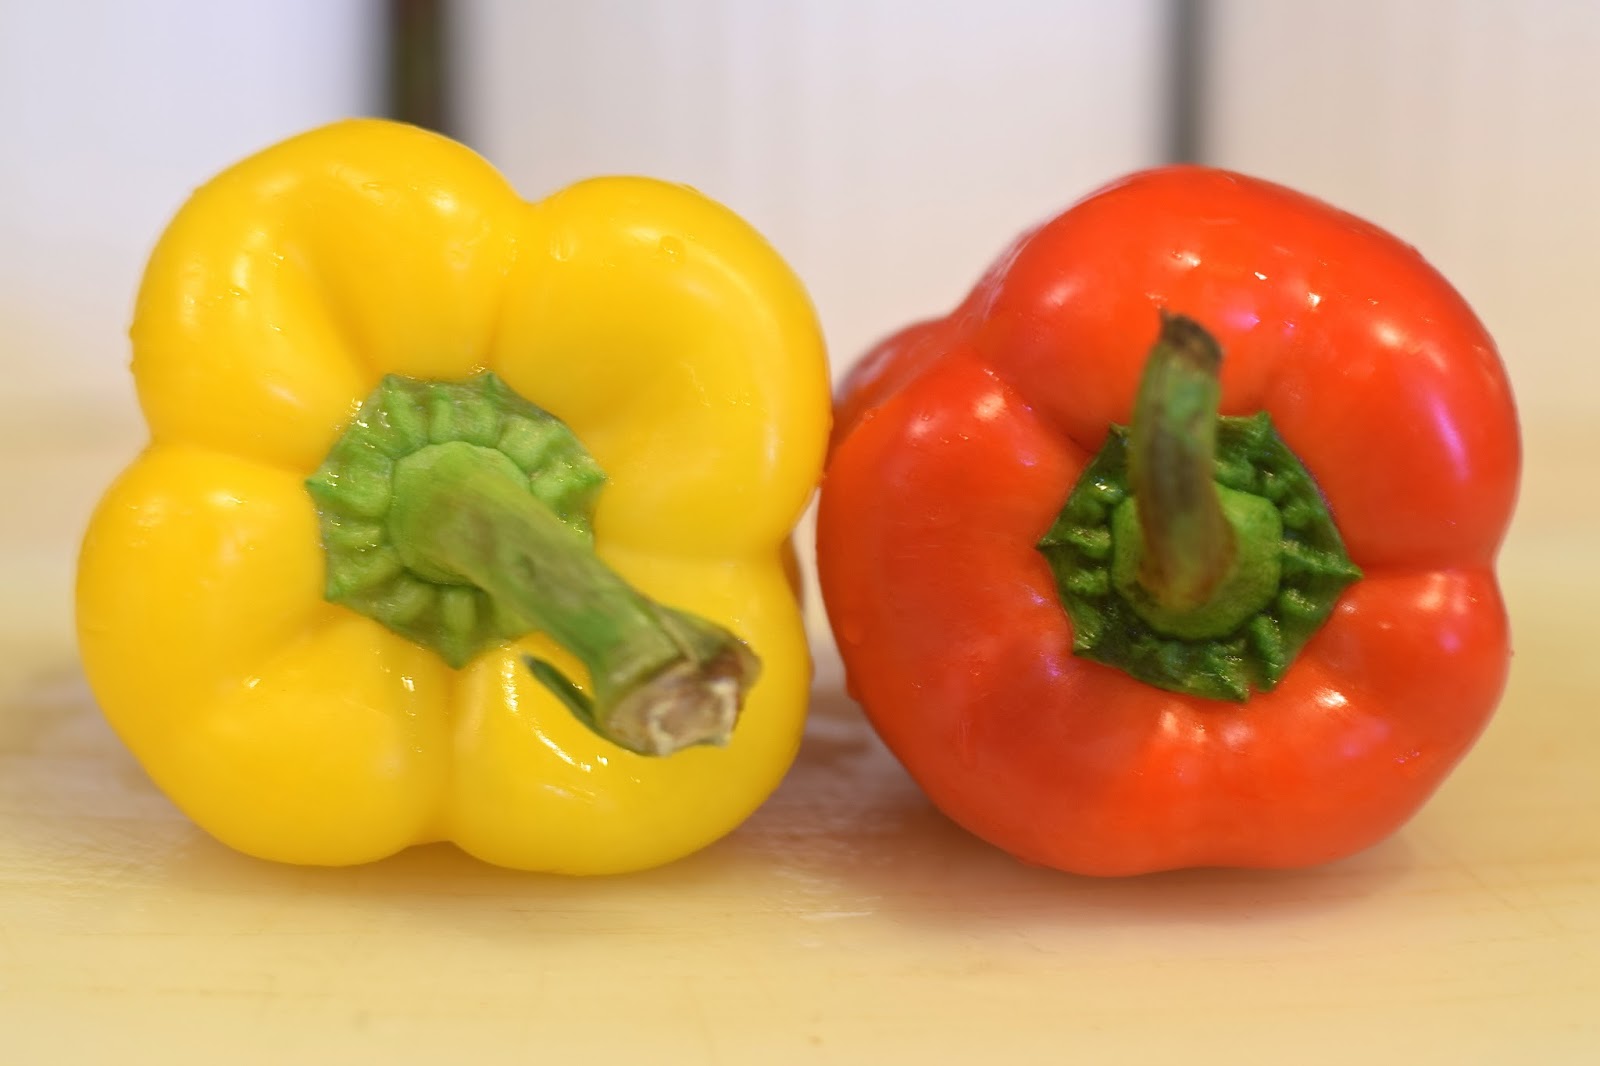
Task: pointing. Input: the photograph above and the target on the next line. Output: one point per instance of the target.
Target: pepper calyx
(1271, 586)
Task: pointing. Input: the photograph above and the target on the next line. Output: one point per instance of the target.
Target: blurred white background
(887, 147)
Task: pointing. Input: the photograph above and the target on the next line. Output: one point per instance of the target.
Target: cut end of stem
(685, 705)
(1191, 343)
(691, 702)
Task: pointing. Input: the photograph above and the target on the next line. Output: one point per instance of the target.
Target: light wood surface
(846, 922)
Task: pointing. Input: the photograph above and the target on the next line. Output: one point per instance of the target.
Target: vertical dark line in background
(417, 88)
(1186, 80)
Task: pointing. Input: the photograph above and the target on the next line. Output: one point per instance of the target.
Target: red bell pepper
(1256, 640)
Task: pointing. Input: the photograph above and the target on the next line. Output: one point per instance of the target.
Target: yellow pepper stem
(661, 679)
(457, 514)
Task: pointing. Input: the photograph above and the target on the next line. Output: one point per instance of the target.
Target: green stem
(1195, 552)
(1189, 546)
(660, 679)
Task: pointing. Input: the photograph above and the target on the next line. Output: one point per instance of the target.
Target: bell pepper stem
(660, 679)
(1195, 551)
(1189, 546)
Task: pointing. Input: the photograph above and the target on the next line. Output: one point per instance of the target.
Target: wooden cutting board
(847, 921)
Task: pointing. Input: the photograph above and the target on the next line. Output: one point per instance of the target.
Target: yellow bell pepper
(319, 607)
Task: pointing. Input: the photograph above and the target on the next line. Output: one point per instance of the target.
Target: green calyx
(459, 516)
(1245, 590)
(1195, 553)
(374, 573)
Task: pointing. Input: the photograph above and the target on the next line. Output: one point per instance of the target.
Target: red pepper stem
(1189, 546)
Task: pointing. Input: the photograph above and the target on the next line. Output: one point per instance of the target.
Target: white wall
(888, 148)
(110, 113)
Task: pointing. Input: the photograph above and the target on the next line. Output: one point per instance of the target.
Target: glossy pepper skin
(958, 439)
(662, 329)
